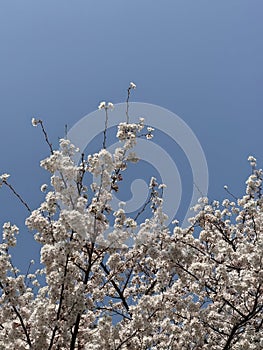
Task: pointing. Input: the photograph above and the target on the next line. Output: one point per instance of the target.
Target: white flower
(162, 186)
(252, 160)
(43, 188)
(4, 177)
(175, 222)
(34, 121)
(153, 182)
(102, 105)
(110, 105)
(132, 85)
(225, 187)
(129, 222)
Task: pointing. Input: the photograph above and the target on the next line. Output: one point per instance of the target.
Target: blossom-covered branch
(175, 288)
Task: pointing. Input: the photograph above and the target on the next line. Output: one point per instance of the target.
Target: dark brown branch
(23, 326)
(120, 293)
(17, 195)
(78, 318)
(105, 128)
(46, 136)
(59, 304)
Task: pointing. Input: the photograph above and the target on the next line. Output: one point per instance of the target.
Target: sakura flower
(149, 136)
(198, 287)
(110, 105)
(252, 160)
(132, 85)
(4, 177)
(35, 121)
(43, 188)
(102, 105)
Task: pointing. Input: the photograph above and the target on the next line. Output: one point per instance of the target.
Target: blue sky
(199, 59)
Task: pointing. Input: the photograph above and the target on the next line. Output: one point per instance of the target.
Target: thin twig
(105, 128)
(23, 326)
(46, 136)
(17, 195)
(230, 193)
(66, 131)
(127, 104)
(132, 86)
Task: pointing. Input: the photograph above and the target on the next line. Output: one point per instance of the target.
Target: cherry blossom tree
(198, 287)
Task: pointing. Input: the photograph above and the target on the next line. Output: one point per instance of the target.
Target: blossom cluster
(199, 287)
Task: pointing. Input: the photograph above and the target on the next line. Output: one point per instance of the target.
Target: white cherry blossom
(175, 288)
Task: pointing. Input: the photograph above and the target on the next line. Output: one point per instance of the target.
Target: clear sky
(199, 59)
